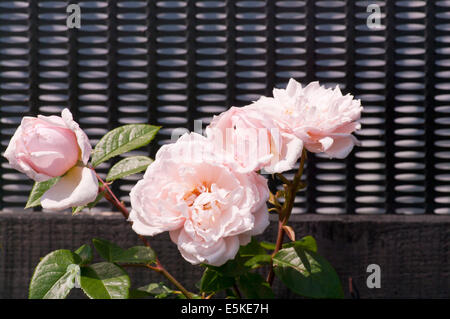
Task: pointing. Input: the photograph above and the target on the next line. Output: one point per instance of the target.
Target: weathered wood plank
(412, 251)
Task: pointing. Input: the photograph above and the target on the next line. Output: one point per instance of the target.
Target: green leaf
(113, 253)
(55, 275)
(252, 249)
(248, 257)
(307, 242)
(253, 286)
(307, 273)
(76, 210)
(136, 254)
(121, 140)
(213, 280)
(128, 166)
(258, 260)
(106, 249)
(267, 245)
(137, 294)
(157, 290)
(234, 267)
(85, 253)
(105, 281)
(39, 188)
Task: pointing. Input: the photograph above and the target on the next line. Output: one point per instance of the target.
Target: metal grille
(172, 62)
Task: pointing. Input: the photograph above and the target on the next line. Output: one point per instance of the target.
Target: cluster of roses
(206, 191)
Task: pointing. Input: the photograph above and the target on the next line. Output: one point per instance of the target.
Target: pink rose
(196, 192)
(254, 140)
(51, 146)
(323, 118)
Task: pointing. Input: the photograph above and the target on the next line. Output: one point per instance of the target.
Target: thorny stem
(291, 189)
(109, 195)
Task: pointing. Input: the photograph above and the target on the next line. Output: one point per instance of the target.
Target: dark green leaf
(136, 254)
(121, 140)
(157, 290)
(231, 294)
(105, 281)
(252, 249)
(137, 294)
(106, 249)
(248, 257)
(128, 166)
(39, 188)
(214, 280)
(113, 253)
(267, 245)
(307, 242)
(253, 286)
(258, 260)
(307, 273)
(85, 253)
(55, 275)
(234, 267)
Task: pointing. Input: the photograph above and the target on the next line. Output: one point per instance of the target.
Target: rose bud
(51, 146)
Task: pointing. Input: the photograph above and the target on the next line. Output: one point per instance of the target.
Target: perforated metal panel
(172, 62)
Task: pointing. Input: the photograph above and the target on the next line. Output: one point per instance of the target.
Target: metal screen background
(171, 62)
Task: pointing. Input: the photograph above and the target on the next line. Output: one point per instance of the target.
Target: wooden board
(412, 251)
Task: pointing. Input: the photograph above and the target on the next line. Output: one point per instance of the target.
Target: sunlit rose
(197, 193)
(254, 140)
(323, 119)
(45, 147)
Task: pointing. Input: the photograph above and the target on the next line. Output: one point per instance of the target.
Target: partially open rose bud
(51, 146)
(43, 148)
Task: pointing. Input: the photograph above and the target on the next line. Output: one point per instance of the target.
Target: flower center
(192, 195)
(313, 135)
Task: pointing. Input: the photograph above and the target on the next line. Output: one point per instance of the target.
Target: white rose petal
(77, 188)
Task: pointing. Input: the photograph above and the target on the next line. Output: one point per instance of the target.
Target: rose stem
(286, 211)
(159, 268)
(237, 291)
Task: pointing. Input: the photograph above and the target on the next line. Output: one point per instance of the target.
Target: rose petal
(53, 119)
(208, 206)
(315, 114)
(16, 162)
(77, 188)
(326, 143)
(261, 221)
(82, 138)
(212, 253)
(291, 150)
(292, 87)
(342, 146)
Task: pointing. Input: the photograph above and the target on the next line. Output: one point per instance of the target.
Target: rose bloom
(254, 140)
(197, 193)
(323, 118)
(51, 146)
